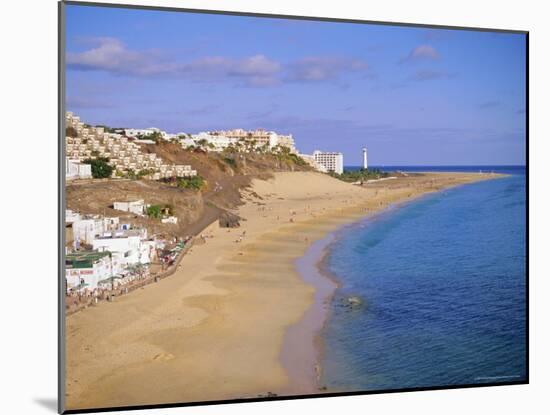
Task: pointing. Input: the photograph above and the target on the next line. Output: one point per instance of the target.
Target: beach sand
(217, 329)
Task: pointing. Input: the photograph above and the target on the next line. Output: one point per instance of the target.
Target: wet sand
(237, 319)
(302, 346)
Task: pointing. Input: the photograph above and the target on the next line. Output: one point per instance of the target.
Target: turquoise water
(443, 280)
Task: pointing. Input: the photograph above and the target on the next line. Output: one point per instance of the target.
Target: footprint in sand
(163, 357)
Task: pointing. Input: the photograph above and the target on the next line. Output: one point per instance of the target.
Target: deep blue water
(443, 279)
(486, 169)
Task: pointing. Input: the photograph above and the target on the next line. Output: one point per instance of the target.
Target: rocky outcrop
(229, 220)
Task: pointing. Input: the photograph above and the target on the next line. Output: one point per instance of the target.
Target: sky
(412, 96)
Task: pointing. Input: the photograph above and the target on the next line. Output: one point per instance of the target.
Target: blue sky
(413, 96)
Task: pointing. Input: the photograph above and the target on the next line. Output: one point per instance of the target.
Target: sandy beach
(224, 326)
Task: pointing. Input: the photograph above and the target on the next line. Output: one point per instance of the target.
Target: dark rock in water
(352, 302)
(229, 220)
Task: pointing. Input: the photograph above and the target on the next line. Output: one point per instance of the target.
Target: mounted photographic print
(260, 207)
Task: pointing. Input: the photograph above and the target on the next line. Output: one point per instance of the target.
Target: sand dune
(215, 329)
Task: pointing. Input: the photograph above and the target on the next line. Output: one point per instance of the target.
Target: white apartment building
(83, 271)
(167, 136)
(113, 254)
(126, 248)
(217, 142)
(283, 141)
(145, 132)
(332, 161)
(71, 217)
(187, 142)
(86, 229)
(144, 141)
(137, 206)
(309, 159)
(134, 132)
(170, 219)
(222, 139)
(74, 169)
(124, 155)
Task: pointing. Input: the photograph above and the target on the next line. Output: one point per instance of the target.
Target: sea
(442, 285)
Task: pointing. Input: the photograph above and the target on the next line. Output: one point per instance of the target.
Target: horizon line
(441, 165)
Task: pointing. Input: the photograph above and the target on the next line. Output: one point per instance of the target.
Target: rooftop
(121, 234)
(85, 259)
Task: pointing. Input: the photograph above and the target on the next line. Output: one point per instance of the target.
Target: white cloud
(421, 53)
(111, 55)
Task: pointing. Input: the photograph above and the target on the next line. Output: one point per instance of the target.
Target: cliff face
(225, 174)
(216, 166)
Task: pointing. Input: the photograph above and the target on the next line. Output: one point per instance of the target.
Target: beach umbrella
(81, 286)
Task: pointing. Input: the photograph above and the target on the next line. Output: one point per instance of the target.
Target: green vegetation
(145, 172)
(201, 145)
(158, 211)
(194, 149)
(231, 149)
(133, 175)
(156, 136)
(154, 211)
(284, 155)
(250, 145)
(100, 167)
(230, 161)
(297, 159)
(202, 142)
(194, 183)
(360, 175)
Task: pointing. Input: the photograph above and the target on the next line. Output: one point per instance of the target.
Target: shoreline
(217, 328)
(300, 356)
(313, 269)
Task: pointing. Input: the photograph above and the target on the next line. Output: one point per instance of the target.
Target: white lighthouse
(365, 164)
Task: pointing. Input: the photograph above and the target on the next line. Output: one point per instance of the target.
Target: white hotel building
(220, 140)
(332, 162)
